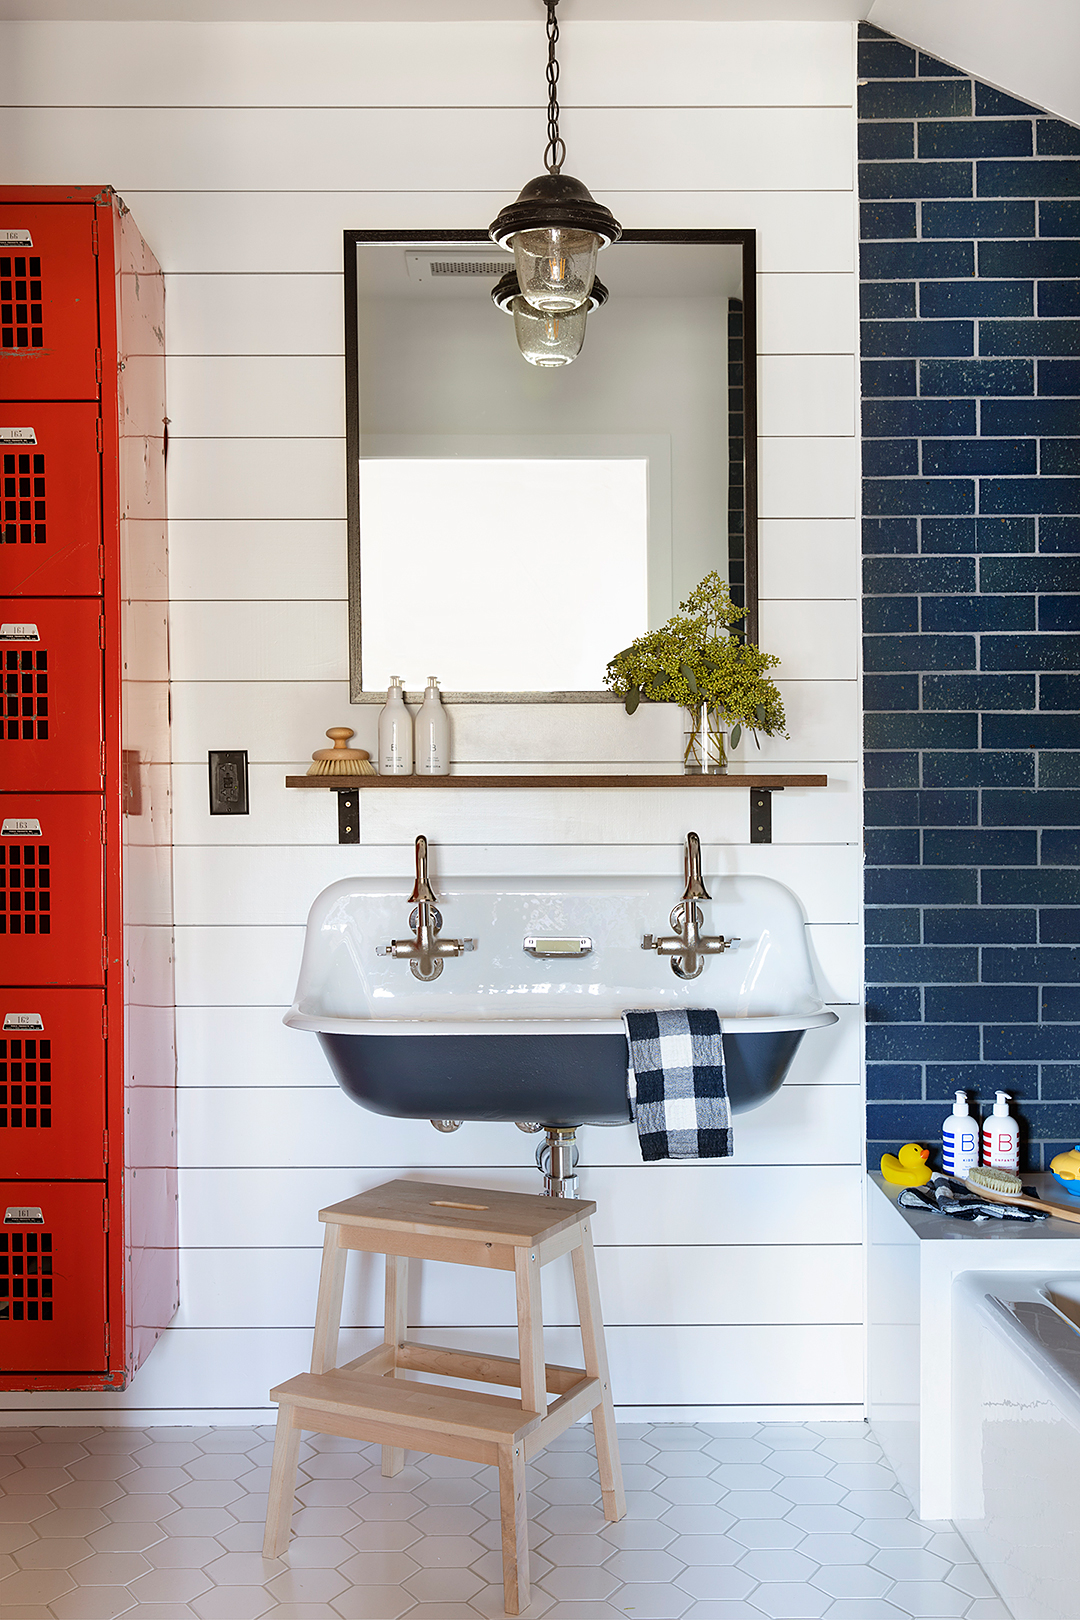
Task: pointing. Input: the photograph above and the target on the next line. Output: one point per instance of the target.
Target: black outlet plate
(228, 781)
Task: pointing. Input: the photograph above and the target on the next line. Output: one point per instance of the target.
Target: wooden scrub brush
(1002, 1187)
(341, 760)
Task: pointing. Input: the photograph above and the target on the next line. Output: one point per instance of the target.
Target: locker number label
(23, 1215)
(13, 435)
(20, 827)
(15, 238)
(23, 1021)
(19, 632)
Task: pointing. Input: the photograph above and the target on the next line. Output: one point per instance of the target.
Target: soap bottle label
(960, 1150)
(1001, 1148)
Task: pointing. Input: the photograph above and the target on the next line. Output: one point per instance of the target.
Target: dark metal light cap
(555, 199)
(506, 289)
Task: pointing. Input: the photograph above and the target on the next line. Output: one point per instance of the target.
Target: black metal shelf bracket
(348, 816)
(761, 814)
(348, 811)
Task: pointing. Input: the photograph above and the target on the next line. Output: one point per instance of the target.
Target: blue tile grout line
(970, 305)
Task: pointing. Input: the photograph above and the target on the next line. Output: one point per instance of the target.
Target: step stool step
(360, 1396)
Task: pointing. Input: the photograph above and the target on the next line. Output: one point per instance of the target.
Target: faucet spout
(422, 889)
(686, 946)
(695, 887)
(425, 952)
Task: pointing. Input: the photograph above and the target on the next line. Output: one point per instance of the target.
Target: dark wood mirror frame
(742, 379)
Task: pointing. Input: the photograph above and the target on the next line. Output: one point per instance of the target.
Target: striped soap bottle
(960, 1140)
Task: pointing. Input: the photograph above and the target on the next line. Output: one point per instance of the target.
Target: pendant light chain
(555, 152)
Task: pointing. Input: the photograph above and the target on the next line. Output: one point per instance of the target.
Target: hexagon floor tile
(760, 1521)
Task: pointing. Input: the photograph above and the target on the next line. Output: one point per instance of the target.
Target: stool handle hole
(449, 1203)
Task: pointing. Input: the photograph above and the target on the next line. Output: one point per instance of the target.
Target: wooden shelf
(348, 784)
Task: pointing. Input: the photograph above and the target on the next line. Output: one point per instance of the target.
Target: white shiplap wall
(244, 151)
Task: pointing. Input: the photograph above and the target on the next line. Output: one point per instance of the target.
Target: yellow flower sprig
(694, 659)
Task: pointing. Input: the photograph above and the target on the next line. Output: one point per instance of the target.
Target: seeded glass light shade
(555, 228)
(555, 267)
(545, 338)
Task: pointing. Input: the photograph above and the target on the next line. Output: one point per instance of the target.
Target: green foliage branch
(694, 658)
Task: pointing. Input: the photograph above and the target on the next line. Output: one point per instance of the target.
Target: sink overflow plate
(532, 945)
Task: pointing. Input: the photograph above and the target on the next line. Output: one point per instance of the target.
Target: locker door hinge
(104, 1147)
(94, 236)
(104, 956)
(100, 435)
(104, 1020)
(101, 561)
(103, 759)
(103, 839)
(97, 365)
(108, 1343)
(101, 631)
(105, 1216)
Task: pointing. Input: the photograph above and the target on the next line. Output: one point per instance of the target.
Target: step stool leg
(530, 1330)
(279, 1508)
(596, 1365)
(515, 1527)
(324, 1346)
(395, 1329)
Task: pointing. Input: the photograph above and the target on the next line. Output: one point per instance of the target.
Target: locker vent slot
(25, 1084)
(23, 498)
(26, 695)
(26, 1271)
(24, 889)
(20, 303)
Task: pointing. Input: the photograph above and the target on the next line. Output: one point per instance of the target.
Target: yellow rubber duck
(908, 1169)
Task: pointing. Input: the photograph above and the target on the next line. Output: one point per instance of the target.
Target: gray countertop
(941, 1229)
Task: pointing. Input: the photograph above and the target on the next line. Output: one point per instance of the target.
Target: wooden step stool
(515, 1232)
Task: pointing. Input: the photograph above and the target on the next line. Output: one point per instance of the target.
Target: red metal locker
(52, 1279)
(82, 376)
(50, 648)
(50, 500)
(48, 300)
(52, 914)
(52, 1084)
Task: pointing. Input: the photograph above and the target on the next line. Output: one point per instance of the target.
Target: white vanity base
(914, 1258)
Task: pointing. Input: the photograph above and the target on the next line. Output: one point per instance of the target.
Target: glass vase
(704, 740)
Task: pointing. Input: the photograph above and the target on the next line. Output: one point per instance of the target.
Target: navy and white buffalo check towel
(677, 1085)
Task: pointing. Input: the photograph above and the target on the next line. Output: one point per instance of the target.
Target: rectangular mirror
(512, 527)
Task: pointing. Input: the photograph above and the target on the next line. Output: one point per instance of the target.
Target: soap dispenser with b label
(960, 1140)
(432, 734)
(1001, 1137)
(395, 733)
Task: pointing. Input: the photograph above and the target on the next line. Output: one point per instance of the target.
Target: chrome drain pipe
(557, 1158)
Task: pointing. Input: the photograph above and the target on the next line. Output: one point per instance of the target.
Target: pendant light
(556, 227)
(545, 337)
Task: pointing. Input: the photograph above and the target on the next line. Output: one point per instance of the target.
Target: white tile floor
(726, 1521)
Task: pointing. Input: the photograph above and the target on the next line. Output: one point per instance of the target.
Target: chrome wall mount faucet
(687, 945)
(425, 952)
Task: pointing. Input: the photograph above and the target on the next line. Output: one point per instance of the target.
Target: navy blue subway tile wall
(970, 302)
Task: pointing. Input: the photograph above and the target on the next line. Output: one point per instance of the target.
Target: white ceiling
(431, 10)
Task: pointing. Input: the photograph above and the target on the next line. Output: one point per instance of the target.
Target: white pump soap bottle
(432, 734)
(1001, 1137)
(395, 733)
(960, 1140)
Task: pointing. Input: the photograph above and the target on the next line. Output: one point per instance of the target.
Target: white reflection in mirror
(501, 575)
